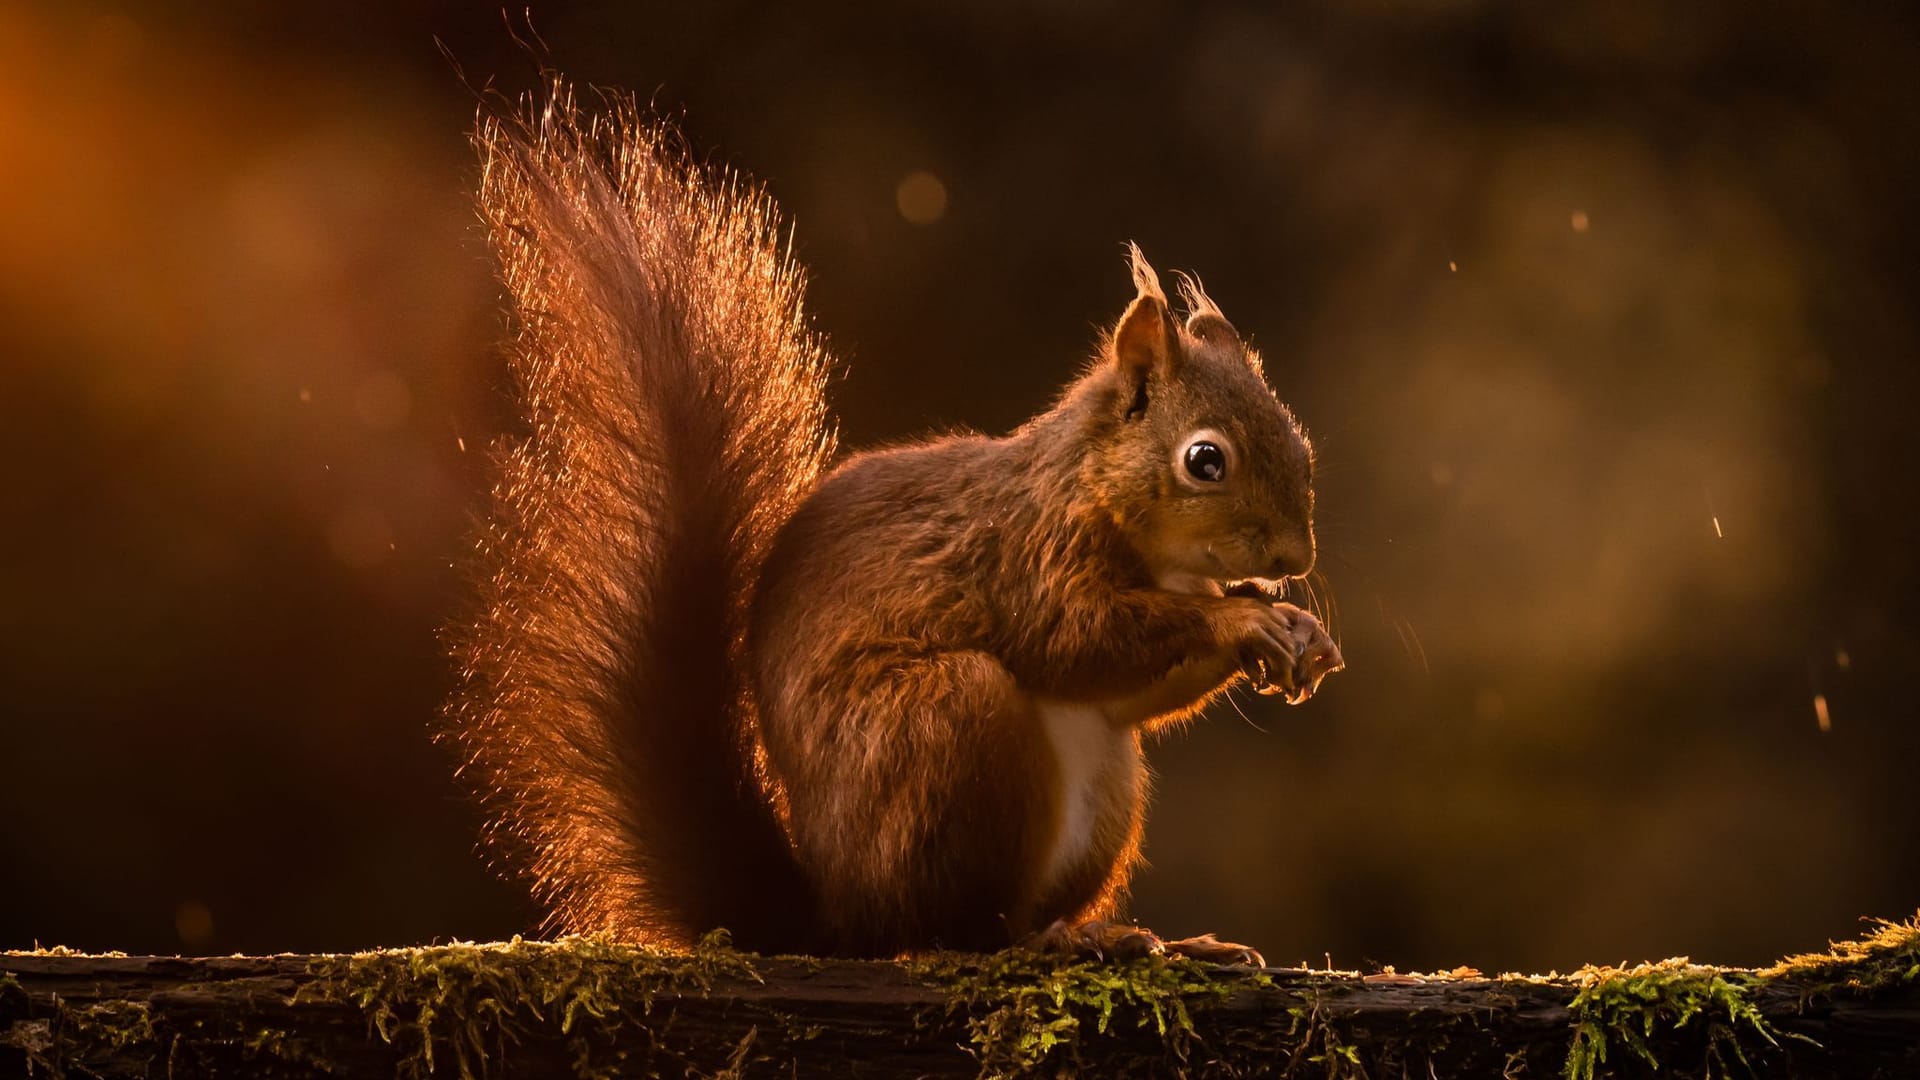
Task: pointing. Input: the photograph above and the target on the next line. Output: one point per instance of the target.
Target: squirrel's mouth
(1255, 588)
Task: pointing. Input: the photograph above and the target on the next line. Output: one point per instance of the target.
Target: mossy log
(593, 1007)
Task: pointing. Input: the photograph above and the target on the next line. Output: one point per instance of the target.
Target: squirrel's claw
(1211, 950)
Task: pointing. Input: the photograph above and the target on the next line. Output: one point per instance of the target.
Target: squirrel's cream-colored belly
(1100, 772)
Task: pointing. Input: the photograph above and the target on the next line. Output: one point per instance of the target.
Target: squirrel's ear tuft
(1146, 281)
(1205, 320)
(1145, 342)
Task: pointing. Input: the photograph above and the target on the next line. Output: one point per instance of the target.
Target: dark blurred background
(1601, 314)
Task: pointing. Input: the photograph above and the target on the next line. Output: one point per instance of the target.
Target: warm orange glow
(249, 323)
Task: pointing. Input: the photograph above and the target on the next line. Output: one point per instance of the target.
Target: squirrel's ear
(1146, 341)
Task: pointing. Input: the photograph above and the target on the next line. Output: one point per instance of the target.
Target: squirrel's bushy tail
(675, 414)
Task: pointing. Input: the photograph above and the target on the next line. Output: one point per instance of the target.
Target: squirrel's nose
(1293, 560)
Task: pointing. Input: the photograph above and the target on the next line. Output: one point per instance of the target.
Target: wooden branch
(592, 1007)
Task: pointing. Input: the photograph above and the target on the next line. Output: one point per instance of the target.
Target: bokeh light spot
(1580, 221)
(382, 400)
(921, 197)
(193, 921)
(1489, 705)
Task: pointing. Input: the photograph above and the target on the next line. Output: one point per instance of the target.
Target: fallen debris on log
(591, 1007)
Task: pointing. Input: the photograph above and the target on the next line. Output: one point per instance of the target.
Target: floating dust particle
(1716, 528)
(1820, 712)
(1580, 221)
(1452, 267)
(1841, 660)
(461, 443)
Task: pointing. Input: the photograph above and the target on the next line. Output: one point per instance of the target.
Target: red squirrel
(864, 708)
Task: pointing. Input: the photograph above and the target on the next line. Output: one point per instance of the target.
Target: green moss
(111, 1025)
(1887, 957)
(77, 1033)
(268, 1045)
(471, 1002)
(459, 1009)
(1023, 1009)
(1319, 1045)
(1619, 1011)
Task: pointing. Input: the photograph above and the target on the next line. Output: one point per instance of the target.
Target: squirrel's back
(674, 416)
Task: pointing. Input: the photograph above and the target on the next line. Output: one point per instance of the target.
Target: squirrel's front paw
(1314, 656)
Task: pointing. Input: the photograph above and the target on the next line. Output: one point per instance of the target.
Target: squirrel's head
(1207, 473)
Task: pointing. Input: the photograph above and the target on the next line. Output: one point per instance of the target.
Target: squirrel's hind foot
(1211, 950)
(1097, 939)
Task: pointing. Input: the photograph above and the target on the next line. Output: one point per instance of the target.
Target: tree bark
(134, 1016)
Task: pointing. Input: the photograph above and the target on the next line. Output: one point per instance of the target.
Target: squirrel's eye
(1205, 461)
